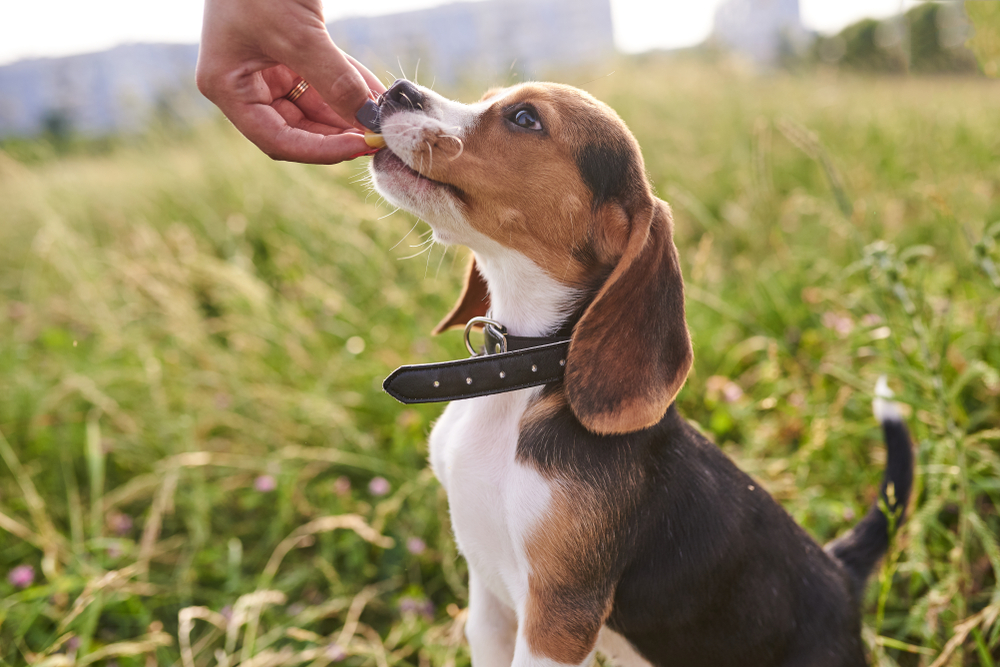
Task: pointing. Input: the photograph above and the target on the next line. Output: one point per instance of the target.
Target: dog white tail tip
(883, 406)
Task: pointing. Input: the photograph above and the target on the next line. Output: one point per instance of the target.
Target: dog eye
(528, 119)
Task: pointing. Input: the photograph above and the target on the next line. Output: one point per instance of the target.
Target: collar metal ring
(483, 321)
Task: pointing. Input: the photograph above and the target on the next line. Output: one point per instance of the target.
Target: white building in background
(761, 30)
(495, 42)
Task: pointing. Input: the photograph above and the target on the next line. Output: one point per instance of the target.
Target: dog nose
(404, 94)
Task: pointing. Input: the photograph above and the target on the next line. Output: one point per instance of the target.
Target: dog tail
(860, 549)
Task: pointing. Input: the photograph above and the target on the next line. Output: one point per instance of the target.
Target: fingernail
(368, 115)
(371, 152)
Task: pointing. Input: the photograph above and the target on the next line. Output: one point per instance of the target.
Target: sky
(63, 27)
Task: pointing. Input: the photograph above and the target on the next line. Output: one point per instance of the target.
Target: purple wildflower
(120, 524)
(379, 486)
(840, 323)
(265, 483)
(21, 576)
(732, 392)
(425, 608)
(416, 546)
(342, 486)
(335, 653)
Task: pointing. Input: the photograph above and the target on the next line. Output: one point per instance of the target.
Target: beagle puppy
(593, 517)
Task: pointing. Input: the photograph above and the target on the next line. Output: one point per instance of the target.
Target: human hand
(253, 54)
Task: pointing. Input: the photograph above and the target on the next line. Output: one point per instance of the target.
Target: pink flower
(335, 653)
(379, 486)
(425, 608)
(871, 320)
(21, 576)
(416, 546)
(839, 322)
(731, 392)
(265, 483)
(342, 486)
(120, 524)
(718, 386)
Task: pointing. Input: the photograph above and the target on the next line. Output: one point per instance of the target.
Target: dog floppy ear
(630, 352)
(474, 301)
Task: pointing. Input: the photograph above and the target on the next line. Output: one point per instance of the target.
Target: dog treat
(374, 140)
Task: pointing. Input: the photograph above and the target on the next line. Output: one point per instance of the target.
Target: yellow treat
(374, 140)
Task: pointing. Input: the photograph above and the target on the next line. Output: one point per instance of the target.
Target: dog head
(552, 174)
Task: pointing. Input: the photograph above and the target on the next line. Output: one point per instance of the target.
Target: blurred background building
(765, 31)
(492, 42)
(497, 41)
(126, 87)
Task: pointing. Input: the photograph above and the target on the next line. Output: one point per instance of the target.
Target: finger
(296, 116)
(329, 71)
(270, 131)
(315, 108)
(373, 81)
(281, 81)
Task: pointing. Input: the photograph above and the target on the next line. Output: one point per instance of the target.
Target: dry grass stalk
(322, 525)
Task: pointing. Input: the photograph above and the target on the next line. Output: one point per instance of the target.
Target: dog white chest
(494, 500)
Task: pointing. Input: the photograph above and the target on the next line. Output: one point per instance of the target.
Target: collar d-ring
(486, 322)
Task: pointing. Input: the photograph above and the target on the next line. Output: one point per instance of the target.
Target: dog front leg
(491, 627)
(559, 628)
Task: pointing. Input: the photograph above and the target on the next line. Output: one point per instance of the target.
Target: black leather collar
(506, 363)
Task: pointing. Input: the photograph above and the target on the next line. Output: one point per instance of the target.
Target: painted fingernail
(364, 153)
(368, 115)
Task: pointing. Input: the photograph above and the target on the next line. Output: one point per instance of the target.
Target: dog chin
(392, 172)
(432, 201)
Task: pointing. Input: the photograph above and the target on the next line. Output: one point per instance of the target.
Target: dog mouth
(387, 162)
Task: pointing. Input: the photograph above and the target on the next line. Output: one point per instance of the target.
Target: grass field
(200, 468)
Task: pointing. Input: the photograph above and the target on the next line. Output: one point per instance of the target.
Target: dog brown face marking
(541, 191)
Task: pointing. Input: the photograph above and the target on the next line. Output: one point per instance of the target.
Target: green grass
(192, 340)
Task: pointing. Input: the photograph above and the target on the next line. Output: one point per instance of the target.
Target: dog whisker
(418, 254)
(405, 235)
(393, 213)
(461, 144)
(430, 155)
(444, 254)
(427, 264)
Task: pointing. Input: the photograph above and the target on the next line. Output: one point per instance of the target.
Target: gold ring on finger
(297, 91)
